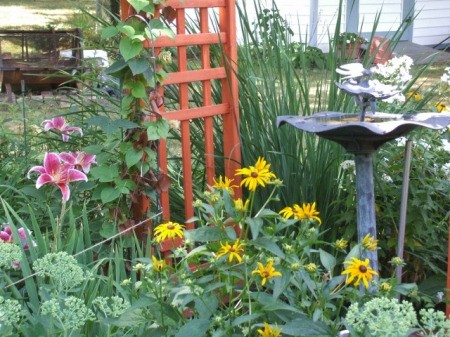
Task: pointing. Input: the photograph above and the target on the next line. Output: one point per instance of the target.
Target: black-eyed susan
(168, 230)
(357, 271)
(369, 242)
(269, 331)
(258, 175)
(441, 107)
(234, 251)
(266, 272)
(306, 211)
(414, 95)
(224, 183)
(158, 265)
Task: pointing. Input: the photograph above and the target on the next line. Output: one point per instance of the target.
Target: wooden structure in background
(227, 108)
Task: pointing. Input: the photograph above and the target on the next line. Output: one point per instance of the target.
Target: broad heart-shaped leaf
(138, 65)
(127, 30)
(132, 157)
(116, 67)
(129, 48)
(327, 260)
(194, 327)
(144, 5)
(305, 327)
(138, 89)
(109, 32)
(109, 194)
(104, 173)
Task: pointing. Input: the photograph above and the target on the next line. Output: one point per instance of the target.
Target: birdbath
(362, 134)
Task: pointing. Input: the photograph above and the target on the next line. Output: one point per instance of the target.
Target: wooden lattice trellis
(227, 108)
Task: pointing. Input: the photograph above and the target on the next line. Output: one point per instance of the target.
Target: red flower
(56, 173)
(59, 124)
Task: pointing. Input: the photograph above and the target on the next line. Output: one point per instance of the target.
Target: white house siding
(432, 24)
(390, 19)
(327, 19)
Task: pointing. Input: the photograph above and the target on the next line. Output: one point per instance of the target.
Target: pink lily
(7, 236)
(59, 124)
(79, 159)
(56, 173)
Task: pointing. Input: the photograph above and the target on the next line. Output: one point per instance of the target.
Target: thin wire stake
(92, 247)
(403, 209)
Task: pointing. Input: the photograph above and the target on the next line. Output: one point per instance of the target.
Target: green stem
(58, 227)
(161, 307)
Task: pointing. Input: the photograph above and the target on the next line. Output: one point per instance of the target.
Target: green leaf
(109, 126)
(132, 157)
(127, 30)
(129, 48)
(142, 5)
(255, 226)
(117, 66)
(199, 326)
(109, 32)
(138, 90)
(138, 65)
(109, 194)
(269, 245)
(205, 234)
(306, 327)
(105, 174)
(327, 260)
(157, 129)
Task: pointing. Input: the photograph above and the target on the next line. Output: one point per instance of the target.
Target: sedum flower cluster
(11, 312)
(71, 312)
(381, 316)
(10, 255)
(62, 269)
(111, 306)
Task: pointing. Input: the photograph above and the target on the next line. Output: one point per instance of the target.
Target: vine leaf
(129, 48)
(143, 5)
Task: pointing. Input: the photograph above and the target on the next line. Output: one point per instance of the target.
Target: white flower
(446, 76)
(386, 178)
(348, 164)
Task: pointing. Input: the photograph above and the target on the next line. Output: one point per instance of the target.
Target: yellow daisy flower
(224, 183)
(158, 265)
(414, 95)
(441, 107)
(236, 250)
(269, 331)
(369, 242)
(168, 230)
(266, 272)
(358, 271)
(258, 175)
(306, 211)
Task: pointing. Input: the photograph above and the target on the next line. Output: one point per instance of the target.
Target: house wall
(432, 24)
(389, 21)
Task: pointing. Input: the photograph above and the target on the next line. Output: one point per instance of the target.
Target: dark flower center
(254, 175)
(170, 227)
(265, 274)
(362, 269)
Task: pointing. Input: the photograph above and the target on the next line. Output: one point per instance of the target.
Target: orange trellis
(206, 74)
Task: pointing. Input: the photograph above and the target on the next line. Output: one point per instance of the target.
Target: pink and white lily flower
(59, 124)
(79, 159)
(7, 236)
(57, 173)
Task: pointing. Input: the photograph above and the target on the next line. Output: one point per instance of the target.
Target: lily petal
(39, 169)
(75, 175)
(44, 179)
(52, 162)
(65, 191)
